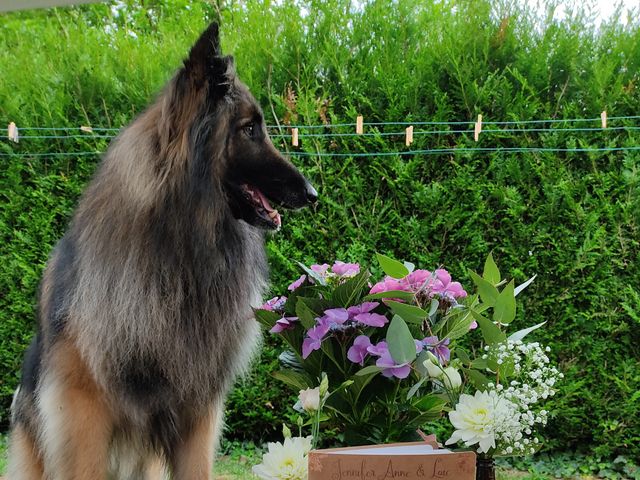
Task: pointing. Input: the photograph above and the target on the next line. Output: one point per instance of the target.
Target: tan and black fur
(145, 304)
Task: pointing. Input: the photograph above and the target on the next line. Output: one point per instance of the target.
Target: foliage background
(572, 218)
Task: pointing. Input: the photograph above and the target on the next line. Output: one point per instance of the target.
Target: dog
(144, 309)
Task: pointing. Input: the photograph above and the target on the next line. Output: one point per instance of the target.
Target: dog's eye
(249, 129)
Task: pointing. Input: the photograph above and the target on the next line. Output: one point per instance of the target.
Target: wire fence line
(407, 123)
(434, 151)
(538, 127)
(369, 134)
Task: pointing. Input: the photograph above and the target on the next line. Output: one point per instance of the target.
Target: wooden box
(415, 460)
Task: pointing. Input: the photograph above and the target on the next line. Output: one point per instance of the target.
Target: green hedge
(572, 218)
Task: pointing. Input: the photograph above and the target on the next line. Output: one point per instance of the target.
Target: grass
(236, 461)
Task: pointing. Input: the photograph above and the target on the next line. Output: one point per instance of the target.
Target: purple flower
(285, 323)
(335, 316)
(314, 338)
(390, 368)
(345, 269)
(445, 287)
(371, 319)
(297, 283)
(438, 348)
(378, 349)
(366, 307)
(276, 303)
(358, 352)
(473, 325)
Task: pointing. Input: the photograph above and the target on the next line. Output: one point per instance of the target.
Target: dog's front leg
(75, 422)
(193, 457)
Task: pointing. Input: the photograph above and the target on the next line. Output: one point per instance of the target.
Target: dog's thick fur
(145, 305)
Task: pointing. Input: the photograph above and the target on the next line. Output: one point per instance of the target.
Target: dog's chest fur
(189, 330)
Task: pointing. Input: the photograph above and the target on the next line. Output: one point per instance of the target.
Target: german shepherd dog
(145, 305)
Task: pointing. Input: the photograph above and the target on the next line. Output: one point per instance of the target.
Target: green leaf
(317, 305)
(297, 381)
(491, 273)
(360, 380)
(433, 308)
(306, 316)
(401, 345)
(401, 294)
(319, 280)
(368, 370)
(410, 313)
(479, 364)
(477, 379)
(505, 308)
(266, 318)
(350, 292)
(413, 390)
(392, 267)
(490, 332)
(462, 354)
(431, 403)
(488, 293)
(455, 326)
(520, 334)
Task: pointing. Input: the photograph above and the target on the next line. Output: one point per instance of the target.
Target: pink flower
(285, 323)
(275, 304)
(445, 287)
(418, 280)
(297, 283)
(345, 269)
(387, 285)
(358, 352)
(320, 269)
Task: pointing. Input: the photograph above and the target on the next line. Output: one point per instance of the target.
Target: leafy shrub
(571, 216)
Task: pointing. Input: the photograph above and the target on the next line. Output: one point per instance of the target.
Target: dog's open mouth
(262, 206)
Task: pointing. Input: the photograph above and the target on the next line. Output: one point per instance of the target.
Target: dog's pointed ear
(206, 63)
(206, 48)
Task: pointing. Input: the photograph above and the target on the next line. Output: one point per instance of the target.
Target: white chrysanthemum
(478, 418)
(286, 461)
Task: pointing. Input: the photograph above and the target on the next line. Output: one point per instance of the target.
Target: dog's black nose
(311, 193)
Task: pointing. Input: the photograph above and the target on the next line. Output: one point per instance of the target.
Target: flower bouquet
(396, 354)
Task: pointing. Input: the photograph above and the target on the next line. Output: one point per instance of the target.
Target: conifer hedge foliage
(570, 217)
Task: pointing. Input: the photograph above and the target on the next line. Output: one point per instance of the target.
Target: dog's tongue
(272, 212)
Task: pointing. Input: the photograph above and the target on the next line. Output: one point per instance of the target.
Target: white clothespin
(408, 135)
(86, 129)
(603, 117)
(294, 137)
(12, 132)
(359, 125)
(477, 128)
